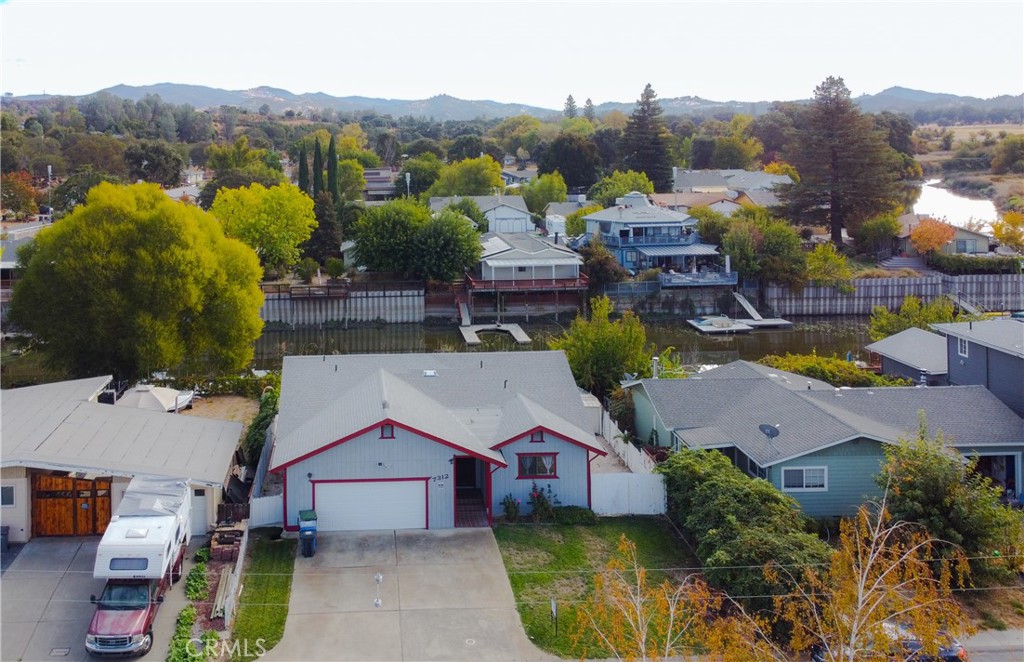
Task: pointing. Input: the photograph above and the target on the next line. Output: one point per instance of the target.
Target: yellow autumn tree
(931, 235)
(883, 575)
(1009, 230)
(630, 618)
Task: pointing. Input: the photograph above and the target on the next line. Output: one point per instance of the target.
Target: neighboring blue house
(989, 353)
(914, 354)
(429, 441)
(828, 443)
(643, 236)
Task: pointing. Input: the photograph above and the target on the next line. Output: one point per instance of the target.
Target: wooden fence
(234, 589)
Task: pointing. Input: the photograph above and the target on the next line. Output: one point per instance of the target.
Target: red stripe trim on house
(540, 428)
(358, 433)
(426, 489)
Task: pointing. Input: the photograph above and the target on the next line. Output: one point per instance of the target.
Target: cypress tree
(332, 170)
(318, 170)
(588, 110)
(646, 149)
(303, 169)
(570, 110)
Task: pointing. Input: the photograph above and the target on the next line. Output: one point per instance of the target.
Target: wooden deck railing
(528, 284)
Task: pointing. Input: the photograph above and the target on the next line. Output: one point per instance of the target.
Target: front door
(465, 472)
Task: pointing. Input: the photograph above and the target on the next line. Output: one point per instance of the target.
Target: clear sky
(535, 53)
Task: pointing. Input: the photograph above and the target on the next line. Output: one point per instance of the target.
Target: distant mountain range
(444, 107)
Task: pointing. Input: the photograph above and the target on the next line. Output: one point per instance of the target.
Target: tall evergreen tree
(645, 143)
(303, 169)
(588, 110)
(570, 110)
(332, 170)
(325, 241)
(318, 170)
(848, 172)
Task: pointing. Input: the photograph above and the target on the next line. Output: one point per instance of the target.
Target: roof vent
(430, 373)
(136, 533)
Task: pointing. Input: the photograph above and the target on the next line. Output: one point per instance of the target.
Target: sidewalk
(1008, 641)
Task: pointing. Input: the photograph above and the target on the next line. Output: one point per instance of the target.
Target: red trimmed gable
(556, 435)
(396, 424)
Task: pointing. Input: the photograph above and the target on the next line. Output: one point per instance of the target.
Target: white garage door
(368, 506)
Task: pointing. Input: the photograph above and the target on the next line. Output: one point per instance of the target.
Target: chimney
(654, 366)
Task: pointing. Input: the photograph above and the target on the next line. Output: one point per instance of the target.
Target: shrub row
(964, 265)
(737, 524)
(830, 369)
(181, 646)
(247, 386)
(256, 436)
(197, 586)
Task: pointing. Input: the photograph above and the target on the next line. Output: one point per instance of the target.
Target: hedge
(247, 386)
(968, 265)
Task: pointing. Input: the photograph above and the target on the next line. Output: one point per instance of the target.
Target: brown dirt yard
(225, 407)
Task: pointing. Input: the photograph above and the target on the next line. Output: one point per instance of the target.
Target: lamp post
(49, 192)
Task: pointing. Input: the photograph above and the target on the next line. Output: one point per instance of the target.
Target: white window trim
(782, 479)
(961, 347)
(14, 495)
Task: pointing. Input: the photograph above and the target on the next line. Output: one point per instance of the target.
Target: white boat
(714, 324)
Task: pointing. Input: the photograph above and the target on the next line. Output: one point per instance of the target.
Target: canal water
(955, 209)
(825, 336)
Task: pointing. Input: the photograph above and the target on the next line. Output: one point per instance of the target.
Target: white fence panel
(265, 510)
(628, 494)
(637, 461)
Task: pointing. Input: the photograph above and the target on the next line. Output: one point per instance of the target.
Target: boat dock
(756, 321)
(469, 333)
(719, 325)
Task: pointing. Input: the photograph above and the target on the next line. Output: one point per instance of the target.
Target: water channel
(826, 336)
(941, 203)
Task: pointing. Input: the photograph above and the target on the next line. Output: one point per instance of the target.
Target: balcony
(648, 240)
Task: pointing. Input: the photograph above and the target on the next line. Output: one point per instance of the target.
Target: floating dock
(756, 320)
(719, 325)
(469, 333)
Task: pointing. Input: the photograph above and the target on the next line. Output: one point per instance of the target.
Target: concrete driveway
(45, 602)
(444, 596)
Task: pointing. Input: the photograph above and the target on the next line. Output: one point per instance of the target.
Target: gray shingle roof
(1004, 335)
(484, 202)
(61, 426)
(473, 400)
(746, 180)
(726, 405)
(969, 416)
(687, 179)
(916, 348)
(638, 215)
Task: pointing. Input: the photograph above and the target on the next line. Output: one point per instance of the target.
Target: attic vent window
(430, 373)
(387, 431)
(537, 437)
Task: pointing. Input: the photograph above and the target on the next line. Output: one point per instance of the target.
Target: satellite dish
(769, 431)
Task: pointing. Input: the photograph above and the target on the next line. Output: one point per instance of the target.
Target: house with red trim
(430, 441)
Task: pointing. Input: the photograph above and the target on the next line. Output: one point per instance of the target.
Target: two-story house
(643, 236)
(989, 353)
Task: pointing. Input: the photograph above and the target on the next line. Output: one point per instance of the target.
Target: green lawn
(267, 585)
(559, 561)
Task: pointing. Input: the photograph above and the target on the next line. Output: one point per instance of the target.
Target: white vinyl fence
(264, 511)
(637, 461)
(628, 494)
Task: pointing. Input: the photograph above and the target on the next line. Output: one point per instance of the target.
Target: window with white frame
(538, 465)
(961, 347)
(7, 496)
(805, 479)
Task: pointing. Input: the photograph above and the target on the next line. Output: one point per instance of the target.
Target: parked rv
(140, 556)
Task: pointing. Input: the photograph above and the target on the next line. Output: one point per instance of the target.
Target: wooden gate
(68, 506)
